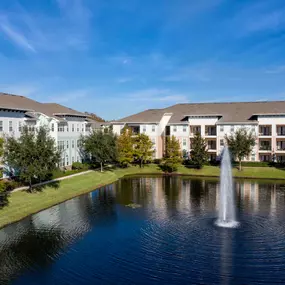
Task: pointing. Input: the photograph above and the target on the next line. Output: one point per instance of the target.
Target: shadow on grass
(40, 188)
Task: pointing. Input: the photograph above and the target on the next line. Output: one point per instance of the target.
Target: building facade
(65, 125)
(213, 121)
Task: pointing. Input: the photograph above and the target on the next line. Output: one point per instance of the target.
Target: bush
(168, 167)
(157, 161)
(253, 164)
(4, 194)
(79, 166)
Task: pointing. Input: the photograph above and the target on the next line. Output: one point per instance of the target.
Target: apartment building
(65, 125)
(213, 121)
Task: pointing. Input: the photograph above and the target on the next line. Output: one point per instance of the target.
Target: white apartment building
(213, 121)
(65, 125)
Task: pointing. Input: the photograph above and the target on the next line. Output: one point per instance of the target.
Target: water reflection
(171, 238)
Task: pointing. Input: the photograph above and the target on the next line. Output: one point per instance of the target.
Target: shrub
(4, 194)
(79, 166)
(168, 167)
(157, 161)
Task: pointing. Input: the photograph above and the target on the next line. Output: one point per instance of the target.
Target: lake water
(170, 239)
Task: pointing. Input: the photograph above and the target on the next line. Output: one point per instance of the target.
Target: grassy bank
(23, 204)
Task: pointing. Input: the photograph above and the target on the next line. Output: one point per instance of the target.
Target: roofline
(204, 115)
(269, 114)
(17, 109)
(69, 114)
(238, 123)
(121, 123)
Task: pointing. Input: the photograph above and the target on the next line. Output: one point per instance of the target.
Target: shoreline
(22, 204)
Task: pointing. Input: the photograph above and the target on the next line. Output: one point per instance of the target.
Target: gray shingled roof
(228, 112)
(17, 102)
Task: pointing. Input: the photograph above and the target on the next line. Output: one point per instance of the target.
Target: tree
(240, 143)
(199, 154)
(172, 155)
(95, 117)
(100, 146)
(125, 147)
(33, 155)
(142, 148)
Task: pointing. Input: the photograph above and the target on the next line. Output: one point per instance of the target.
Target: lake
(168, 237)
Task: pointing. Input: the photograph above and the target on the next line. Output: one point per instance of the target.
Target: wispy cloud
(69, 96)
(28, 90)
(260, 17)
(276, 70)
(38, 31)
(158, 95)
(124, 79)
(17, 37)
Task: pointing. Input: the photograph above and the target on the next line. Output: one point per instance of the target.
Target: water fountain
(227, 215)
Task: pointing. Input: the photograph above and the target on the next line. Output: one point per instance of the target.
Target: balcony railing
(212, 147)
(280, 147)
(280, 133)
(211, 133)
(265, 133)
(265, 147)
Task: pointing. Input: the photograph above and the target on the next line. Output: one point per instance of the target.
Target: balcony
(265, 147)
(135, 130)
(280, 130)
(280, 146)
(212, 145)
(194, 130)
(211, 131)
(265, 131)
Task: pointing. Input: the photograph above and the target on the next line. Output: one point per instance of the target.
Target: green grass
(23, 204)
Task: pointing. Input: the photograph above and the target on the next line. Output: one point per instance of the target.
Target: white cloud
(17, 37)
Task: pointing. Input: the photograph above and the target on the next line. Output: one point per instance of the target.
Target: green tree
(100, 146)
(33, 155)
(240, 143)
(142, 148)
(199, 153)
(172, 155)
(125, 147)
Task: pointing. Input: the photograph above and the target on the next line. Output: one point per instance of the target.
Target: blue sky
(115, 58)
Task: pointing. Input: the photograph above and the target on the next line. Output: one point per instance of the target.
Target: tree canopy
(33, 156)
(172, 155)
(240, 143)
(199, 153)
(126, 147)
(100, 146)
(142, 148)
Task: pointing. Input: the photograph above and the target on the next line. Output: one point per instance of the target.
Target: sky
(115, 58)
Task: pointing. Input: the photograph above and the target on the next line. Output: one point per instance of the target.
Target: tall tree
(33, 155)
(125, 147)
(199, 154)
(100, 146)
(172, 155)
(142, 148)
(240, 143)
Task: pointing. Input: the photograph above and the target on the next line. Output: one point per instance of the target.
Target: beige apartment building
(213, 121)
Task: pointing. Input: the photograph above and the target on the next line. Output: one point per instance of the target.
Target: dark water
(170, 239)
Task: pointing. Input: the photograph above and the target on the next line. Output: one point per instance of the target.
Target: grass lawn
(23, 204)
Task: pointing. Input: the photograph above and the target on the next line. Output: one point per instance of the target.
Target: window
(184, 129)
(72, 143)
(222, 143)
(153, 128)
(78, 143)
(221, 128)
(144, 129)
(52, 127)
(184, 142)
(72, 159)
(73, 127)
(232, 129)
(174, 129)
(60, 145)
(1, 126)
(60, 128)
(10, 126)
(82, 128)
(78, 128)
(20, 126)
(67, 128)
(67, 162)
(78, 159)
(67, 144)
